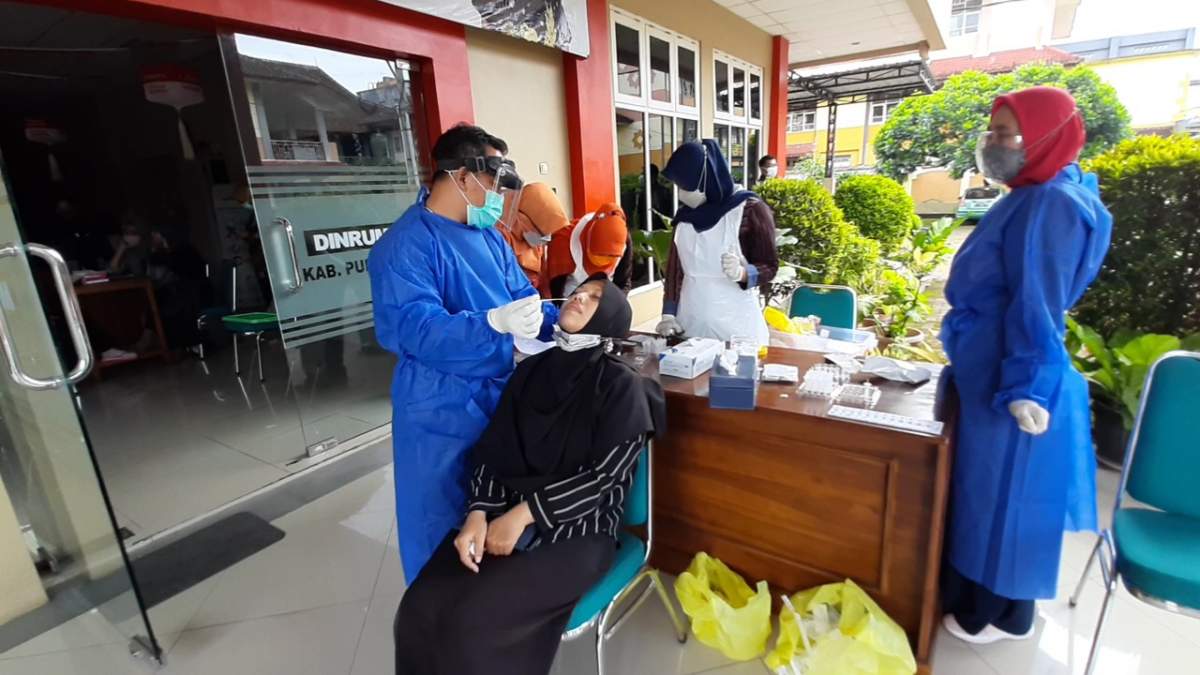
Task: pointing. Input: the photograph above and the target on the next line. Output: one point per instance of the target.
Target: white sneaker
(986, 636)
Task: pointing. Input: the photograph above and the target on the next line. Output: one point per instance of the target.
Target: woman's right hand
(471, 539)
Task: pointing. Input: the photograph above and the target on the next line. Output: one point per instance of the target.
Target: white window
(738, 88)
(842, 162)
(964, 17)
(881, 111)
(656, 77)
(654, 67)
(802, 121)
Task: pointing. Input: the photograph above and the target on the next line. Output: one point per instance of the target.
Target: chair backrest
(637, 502)
(1162, 468)
(836, 305)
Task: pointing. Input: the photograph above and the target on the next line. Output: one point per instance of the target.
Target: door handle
(70, 302)
(297, 281)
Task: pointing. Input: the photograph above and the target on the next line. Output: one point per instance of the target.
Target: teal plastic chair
(836, 305)
(1155, 551)
(629, 572)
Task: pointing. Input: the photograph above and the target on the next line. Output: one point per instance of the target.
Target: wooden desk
(791, 496)
(108, 312)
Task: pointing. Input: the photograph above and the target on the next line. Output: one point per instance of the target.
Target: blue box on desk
(734, 390)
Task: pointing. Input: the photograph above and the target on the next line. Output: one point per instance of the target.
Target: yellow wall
(714, 27)
(935, 192)
(1153, 88)
(520, 96)
(849, 142)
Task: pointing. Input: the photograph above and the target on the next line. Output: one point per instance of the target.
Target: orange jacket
(538, 212)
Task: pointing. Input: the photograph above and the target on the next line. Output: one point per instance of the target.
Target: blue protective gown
(1013, 494)
(433, 281)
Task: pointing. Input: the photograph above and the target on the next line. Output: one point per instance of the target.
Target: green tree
(940, 130)
(1150, 282)
(880, 207)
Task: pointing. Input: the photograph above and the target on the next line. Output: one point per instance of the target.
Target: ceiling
(822, 31)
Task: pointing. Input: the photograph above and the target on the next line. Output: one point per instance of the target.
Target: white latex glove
(731, 265)
(522, 318)
(1031, 417)
(669, 327)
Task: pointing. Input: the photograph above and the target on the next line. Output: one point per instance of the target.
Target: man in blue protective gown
(449, 298)
(1024, 471)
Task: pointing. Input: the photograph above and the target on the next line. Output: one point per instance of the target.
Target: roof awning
(859, 84)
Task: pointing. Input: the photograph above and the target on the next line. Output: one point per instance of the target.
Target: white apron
(580, 275)
(710, 305)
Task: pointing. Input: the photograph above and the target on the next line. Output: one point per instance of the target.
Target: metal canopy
(870, 83)
(876, 82)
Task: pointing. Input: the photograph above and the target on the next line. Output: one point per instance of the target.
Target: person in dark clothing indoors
(547, 492)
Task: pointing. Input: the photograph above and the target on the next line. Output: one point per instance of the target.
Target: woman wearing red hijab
(1024, 470)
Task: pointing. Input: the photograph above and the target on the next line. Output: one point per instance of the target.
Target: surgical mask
(574, 342)
(483, 217)
(536, 239)
(693, 199)
(132, 239)
(998, 162)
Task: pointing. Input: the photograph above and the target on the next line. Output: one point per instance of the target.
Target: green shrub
(1150, 282)
(815, 237)
(880, 207)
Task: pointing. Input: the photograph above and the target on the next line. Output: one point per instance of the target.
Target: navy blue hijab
(687, 165)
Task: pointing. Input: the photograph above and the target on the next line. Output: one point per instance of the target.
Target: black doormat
(180, 565)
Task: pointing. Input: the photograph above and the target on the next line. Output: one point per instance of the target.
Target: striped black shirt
(590, 502)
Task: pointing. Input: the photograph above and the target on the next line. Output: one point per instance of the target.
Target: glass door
(331, 158)
(60, 553)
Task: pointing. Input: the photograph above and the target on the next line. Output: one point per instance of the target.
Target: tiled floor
(321, 601)
(176, 440)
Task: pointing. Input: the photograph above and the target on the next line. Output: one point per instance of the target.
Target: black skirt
(507, 619)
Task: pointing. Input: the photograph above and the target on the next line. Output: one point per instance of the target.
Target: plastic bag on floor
(841, 631)
(726, 613)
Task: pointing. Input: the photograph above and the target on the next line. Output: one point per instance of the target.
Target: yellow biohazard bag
(726, 613)
(779, 321)
(841, 632)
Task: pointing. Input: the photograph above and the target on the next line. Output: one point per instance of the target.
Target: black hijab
(564, 410)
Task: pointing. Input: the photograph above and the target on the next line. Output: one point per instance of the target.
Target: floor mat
(180, 565)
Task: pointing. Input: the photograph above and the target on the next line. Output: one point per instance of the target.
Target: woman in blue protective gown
(449, 297)
(1024, 469)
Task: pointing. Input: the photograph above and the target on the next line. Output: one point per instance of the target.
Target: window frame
(646, 106)
(638, 26)
(804, 126)
(961, 14)
(749, 71)
(646, 30)
(888, 106)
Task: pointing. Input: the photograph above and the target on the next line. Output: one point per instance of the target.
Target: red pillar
(590, 123)
(779, 102)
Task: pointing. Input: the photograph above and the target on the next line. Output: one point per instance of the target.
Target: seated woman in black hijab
(548, 487)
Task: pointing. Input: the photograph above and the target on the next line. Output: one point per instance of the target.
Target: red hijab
(1052, 130)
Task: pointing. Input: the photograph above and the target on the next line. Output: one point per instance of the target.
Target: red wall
(368, 27)
(590, 108)
(779, 98)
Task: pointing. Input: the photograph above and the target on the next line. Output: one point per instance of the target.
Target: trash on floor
(837, 629)
(726, 614)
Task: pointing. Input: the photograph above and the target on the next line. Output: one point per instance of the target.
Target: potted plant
(1116, 371)
(899, 305)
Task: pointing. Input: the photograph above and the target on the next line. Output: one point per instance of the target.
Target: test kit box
(691, 358)
(734, 389)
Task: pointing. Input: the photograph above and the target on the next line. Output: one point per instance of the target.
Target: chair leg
(237, 363)
(1087, 569)
(601, 629)
(681, 631)
(1104, 610)
(258, 355)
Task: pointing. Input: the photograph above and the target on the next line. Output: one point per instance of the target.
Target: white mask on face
(692, 198)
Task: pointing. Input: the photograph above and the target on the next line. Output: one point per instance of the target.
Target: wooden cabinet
(789, 495)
